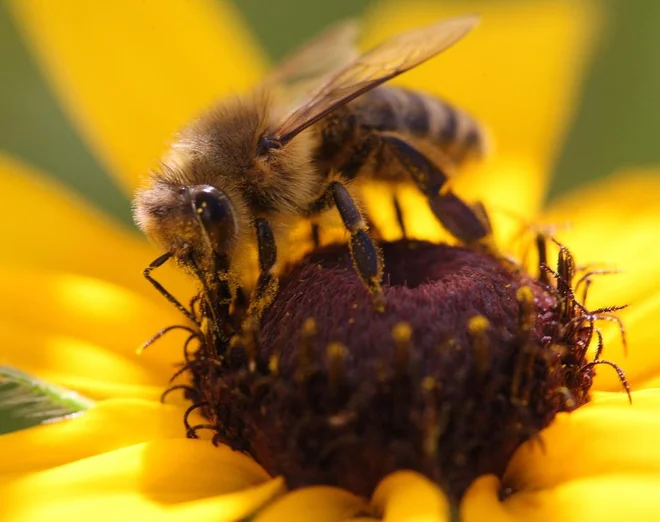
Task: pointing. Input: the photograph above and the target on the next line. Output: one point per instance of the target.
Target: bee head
(195, 221)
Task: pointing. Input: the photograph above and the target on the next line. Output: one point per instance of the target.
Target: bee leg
(316, 235)
(467, 223)
(160, 261)
(216, 293)
(367, 257)
(268, 283)
(399, 216)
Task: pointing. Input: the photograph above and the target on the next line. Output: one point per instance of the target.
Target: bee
(246, 166)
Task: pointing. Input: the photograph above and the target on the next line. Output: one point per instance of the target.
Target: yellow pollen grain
(477, 327)
(274, 364)
(309, 326)
(402, 332)
(524, 294)
(337, 351)
(478, 324)
(428, 384)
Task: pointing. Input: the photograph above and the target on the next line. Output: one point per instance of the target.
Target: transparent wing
(377, 66)
(330, 51)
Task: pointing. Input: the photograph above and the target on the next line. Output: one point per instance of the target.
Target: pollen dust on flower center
(471, 357)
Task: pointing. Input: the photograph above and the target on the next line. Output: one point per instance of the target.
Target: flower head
(471, 357)
(128, 457)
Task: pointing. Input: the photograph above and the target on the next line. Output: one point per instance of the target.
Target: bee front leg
(367, 257)
(160, 261)
(268, 283)
(468, 223)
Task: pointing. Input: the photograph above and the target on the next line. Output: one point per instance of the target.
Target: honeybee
(248, 163)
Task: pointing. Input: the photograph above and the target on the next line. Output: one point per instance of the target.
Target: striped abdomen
(423, 116)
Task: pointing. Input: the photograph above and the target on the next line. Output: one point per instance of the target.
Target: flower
(128, 458)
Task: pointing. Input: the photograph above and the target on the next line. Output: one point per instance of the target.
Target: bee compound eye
(216, 216)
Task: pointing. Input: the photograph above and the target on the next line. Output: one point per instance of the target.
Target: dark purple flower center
(471, 357)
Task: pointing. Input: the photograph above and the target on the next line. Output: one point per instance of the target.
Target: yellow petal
(613, 498)
(87, 368)
(85, 333)
(648, 399)
(107, 426)
(512, 188)
(409, 496)
(519, 71)
(603, 499)
(313, 504)
(168, 480)
(49, 228)
(642, 363)
(103, 315)
(614, 224)
(606, 437)
(481, 502)
(130, 73)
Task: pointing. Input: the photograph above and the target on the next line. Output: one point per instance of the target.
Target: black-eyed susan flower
(75, 305)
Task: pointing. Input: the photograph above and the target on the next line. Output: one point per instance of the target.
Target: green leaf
(27, 401)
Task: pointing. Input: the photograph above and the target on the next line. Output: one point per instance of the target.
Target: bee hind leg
(468, 223)
(367, 257)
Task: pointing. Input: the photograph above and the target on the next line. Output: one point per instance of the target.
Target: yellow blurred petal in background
(131, 73)
(614, 223)
(54, 230)
(518, 71)
(642, 362)
(90, 369)
(98, 312)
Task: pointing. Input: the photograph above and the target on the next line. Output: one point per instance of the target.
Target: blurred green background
(617, 123)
